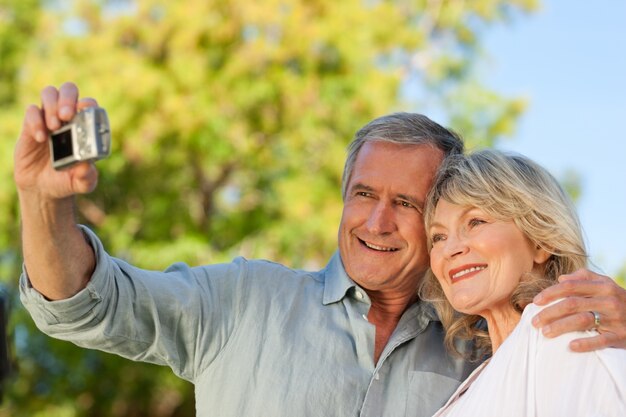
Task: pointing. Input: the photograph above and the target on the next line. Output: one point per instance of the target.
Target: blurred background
(230, 120)
(565, 60)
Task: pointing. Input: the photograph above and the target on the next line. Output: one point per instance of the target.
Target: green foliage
(18, 21)
(571, 182)
(230, 120)
(621, 277)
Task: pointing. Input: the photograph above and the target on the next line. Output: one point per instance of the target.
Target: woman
(501, 229)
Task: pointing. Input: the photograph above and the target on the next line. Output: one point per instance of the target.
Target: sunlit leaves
(230, 120)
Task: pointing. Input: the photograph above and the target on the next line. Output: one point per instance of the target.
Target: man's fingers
(566, 289)
(584, 320)
(559, 321)
(569, 287)
(49, 105)
(575, 314)
(68, 96)
(59, 105)
(34, 126)
(599, 341)
(581, 274)
(84, 177)
(85, 102)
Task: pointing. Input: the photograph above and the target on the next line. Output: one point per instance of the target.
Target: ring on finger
(596, 319)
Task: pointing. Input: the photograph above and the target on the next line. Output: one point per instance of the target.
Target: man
(257, 338)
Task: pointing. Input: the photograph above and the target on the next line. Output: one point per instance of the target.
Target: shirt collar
(337, 284)
(420, 313)
(336, 281)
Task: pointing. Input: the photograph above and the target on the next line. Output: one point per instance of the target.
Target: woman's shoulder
(525, 329)
(532, 309)
(554, 353)
(557, 370)
(557, 344)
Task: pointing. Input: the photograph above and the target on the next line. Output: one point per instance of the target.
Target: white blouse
(531, 375)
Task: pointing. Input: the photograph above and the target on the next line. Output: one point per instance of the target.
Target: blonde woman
(501, 229)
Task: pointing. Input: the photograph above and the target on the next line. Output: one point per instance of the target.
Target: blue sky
(569, 61)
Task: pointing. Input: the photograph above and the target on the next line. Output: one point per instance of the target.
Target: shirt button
(359, 295)
(364, 317)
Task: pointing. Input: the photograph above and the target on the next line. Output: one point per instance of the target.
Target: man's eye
(363, 194)
(404, 203)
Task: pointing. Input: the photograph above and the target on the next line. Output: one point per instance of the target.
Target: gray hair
(508, 187)
(401, 128)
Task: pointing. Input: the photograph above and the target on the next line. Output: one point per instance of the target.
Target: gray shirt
(257, 338)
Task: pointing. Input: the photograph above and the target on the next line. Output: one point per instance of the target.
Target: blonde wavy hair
(508, 187)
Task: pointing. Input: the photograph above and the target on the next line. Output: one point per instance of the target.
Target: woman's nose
(455, 245)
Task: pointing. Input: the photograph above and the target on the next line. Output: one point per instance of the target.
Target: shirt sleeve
(181, 317)
(570, 383)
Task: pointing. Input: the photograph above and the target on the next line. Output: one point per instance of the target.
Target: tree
(621, 277)
(230, 121)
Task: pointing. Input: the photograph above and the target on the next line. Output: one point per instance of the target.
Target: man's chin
(371, 280)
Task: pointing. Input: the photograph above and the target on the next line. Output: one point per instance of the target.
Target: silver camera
(86, 137)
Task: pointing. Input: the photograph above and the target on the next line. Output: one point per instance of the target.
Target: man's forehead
(395, 161)
(403, 170)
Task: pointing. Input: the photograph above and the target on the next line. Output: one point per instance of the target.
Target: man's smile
(378, 247)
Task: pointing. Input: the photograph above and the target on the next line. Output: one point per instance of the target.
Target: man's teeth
(467, 271)
(380, 248)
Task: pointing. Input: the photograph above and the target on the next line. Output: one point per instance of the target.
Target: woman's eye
(475, 222)
(437, 238)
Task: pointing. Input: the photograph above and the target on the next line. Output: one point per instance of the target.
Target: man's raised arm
(58, 259)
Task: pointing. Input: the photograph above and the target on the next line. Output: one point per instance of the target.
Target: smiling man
(381, 235)
(257, 338)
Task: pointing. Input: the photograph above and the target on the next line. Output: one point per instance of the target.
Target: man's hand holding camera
(33, 170)
(86, 138)
(57, 257)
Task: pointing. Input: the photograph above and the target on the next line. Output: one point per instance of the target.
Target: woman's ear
(541, 255)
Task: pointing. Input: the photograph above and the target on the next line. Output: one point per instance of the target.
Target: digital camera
(86, 137)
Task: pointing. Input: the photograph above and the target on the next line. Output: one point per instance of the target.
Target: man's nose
(381, 219)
